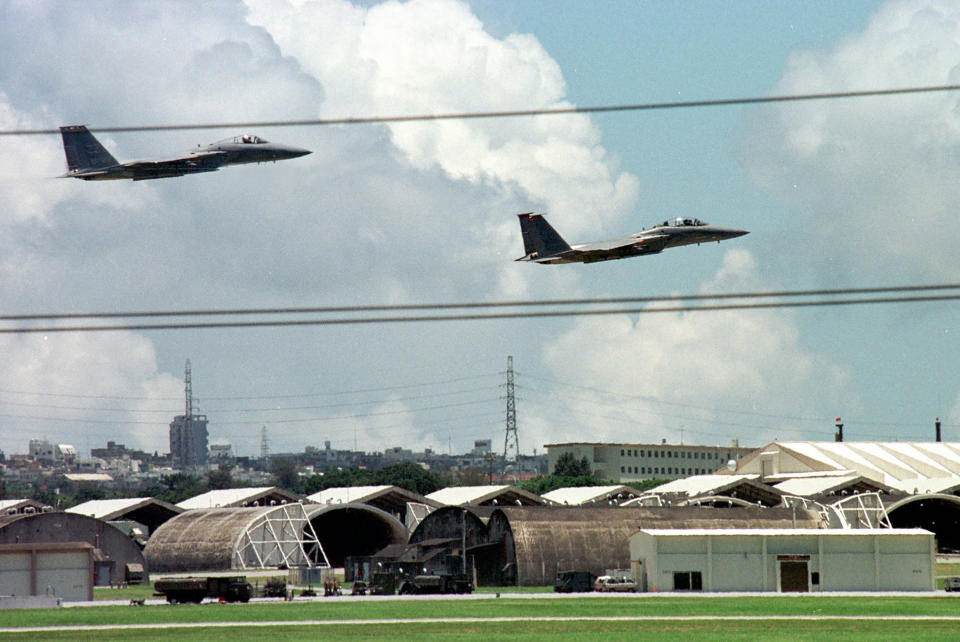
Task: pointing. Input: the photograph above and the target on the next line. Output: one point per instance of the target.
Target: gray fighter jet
(88, 160)
(543, 244)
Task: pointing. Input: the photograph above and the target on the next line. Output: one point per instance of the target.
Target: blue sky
(846, 193)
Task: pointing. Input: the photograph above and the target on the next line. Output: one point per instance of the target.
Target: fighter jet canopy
(247, 139)
(681, 221)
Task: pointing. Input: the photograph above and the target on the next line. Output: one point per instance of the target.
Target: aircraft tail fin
(83, 150)
(539, 237)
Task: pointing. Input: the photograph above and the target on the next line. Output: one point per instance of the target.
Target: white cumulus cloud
(717, 375)
(434, 56)
(877, 178)
(83, 389)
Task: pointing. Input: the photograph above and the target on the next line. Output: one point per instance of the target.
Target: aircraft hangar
(514, 545)
(917, 482)
(287, 535)
(117, 558)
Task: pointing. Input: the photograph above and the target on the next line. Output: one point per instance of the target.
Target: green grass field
(862, 611)
(862, 624)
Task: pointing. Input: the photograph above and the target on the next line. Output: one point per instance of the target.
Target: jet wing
(651, 244)
(175, 166)
(619, 248)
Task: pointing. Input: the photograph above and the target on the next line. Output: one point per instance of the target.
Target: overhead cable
(367, 120)
(368, 320)
(475, 305)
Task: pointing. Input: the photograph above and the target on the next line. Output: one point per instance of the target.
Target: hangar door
(794, 576)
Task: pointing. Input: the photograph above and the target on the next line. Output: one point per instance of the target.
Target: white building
(793, 560)
(630, 462)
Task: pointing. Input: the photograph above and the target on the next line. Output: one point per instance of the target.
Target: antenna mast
(188, 390)
(264, 444)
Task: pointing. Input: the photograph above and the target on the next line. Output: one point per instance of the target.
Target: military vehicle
(574, 582)
(180, 590)
(424, 584)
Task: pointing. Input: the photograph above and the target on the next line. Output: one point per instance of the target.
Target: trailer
(181, 590)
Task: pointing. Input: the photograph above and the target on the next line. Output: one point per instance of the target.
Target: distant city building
(482, 446)
(119, 451)
(43, 451)
(221, 453)
(188, 432)
(188, 440)
(630, 462)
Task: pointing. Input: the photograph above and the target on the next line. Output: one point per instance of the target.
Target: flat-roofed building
(784, 560)
(630, 462)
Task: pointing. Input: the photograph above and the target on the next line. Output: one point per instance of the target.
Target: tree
(568, 466)
(410, 476)
(219, 478)
(545, 483)
(177, 487)
(285, 473)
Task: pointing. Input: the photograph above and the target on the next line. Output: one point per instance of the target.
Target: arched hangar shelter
(529, 545)
(347, 530)
(270, 536)
(117, 558)
(937, 513)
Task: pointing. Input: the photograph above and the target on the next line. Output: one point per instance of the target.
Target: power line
(686, 104)
(474, 305)
(476, 317)
(206, 398)
(208, 410)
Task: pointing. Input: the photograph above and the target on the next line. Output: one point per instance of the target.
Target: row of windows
(683, 454)
(661, 470)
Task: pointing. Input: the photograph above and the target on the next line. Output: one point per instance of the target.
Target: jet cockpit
(681, 221)
(249, 139)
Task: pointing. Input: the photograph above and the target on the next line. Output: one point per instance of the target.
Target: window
(622, 469)
(621, 452)
(815, 578)
(688, 581)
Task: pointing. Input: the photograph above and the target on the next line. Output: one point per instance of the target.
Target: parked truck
(180, 590)
(421, 584)
(574, 582)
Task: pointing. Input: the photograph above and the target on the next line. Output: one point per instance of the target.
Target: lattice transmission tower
(511, 443)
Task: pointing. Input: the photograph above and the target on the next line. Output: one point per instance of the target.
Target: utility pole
(511, 443)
